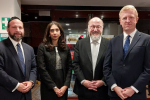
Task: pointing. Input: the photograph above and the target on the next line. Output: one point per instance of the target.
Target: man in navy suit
(17, 64)
(127, 61)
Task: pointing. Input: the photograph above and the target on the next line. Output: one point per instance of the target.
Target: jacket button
(124, 65)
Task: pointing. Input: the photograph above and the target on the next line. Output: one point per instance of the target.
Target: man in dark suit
(88, 60)
(17, 64)
(127, 61)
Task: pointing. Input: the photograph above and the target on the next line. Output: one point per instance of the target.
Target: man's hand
(28, 85)
(119, 92)
(89, 84)
(62, 90)
(128, 91)
(98, 83)
(21, 87)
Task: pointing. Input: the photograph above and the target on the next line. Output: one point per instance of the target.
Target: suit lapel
(53, 58)
(88, 48)
(61, 53)
(14, 53)
(25, 57)
(101, 50)
(120, 45)
(136, 38)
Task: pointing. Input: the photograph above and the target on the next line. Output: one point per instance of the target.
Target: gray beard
(95, 38)
(14, 38)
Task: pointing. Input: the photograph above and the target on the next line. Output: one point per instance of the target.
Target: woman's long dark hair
(48, 41)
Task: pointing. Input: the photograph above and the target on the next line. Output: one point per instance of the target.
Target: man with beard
(88, 61)
(17, 64)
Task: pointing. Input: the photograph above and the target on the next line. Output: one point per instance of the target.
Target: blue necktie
(126, 46)
(20, 55)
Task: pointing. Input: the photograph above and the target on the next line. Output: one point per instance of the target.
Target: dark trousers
(23, 97)
(117, 98)
(83, 98)
(111, 98)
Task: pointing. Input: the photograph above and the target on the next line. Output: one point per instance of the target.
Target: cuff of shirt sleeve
(137, 91)
(114, 85)
(82, 81)
(16, 87)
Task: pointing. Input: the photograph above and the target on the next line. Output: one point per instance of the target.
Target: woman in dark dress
(54, 64)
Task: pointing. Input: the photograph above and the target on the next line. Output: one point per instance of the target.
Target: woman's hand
(57, 91)
(62, 90)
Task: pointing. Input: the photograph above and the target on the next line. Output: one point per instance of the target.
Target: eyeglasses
(53, 30)
(93, 27)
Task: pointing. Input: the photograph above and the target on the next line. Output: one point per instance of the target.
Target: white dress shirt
(94, 51)
(124, 39)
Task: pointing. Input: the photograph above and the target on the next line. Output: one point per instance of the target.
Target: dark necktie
(20, 55)
(126, 46)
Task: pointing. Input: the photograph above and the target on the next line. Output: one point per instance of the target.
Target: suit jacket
(11, 71)
(134, 69)
(82, 63)
(47, 64)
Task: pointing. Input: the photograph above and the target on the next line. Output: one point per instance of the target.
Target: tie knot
(128, 36)
(18, 44)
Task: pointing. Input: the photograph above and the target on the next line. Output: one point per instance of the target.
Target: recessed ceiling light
(102, 16)
(69, 29)
(77, 15)
(70, 32)
(35, 17)
(84, 32)
(67, 24)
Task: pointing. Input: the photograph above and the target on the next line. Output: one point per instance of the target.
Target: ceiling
(111, 3)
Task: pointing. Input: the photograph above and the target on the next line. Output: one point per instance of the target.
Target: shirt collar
(131, 35)
(97, 41)
(14, 42)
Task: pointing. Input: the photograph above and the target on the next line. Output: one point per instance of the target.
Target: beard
(95, 37)
(16, 38)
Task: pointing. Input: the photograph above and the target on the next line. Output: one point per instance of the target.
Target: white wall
(17, 8)
(9, 8)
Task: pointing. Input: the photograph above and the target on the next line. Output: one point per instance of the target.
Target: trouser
(23, 97)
